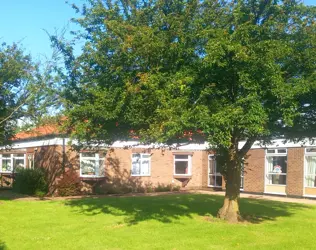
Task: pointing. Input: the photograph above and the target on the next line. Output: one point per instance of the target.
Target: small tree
(28, 90)
(224, 72)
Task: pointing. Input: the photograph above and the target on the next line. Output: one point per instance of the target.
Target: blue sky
(25, 21)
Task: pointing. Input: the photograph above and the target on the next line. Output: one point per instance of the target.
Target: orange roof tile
(51, 129)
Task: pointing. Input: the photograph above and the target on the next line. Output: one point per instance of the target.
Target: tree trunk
(230, 209)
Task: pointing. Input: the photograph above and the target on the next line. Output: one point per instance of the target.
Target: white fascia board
(39, 143)
(278, 143)
(281, 143)
(137, 144)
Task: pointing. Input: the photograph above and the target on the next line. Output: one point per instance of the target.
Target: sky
(25, 21)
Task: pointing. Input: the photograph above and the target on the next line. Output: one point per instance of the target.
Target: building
(282, 168)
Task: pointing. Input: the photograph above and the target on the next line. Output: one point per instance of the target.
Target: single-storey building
(282, 168)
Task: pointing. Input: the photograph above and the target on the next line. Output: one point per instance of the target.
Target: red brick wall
(254, 171)
(295, 171)
(119, 163)
(205, 168)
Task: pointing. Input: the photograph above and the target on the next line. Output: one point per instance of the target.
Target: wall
(119, 163)
(295, 171)
(254, 171)
(118, 166)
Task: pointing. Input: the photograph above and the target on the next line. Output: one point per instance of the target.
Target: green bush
(30, 181)
(176, 188)
(117, 187)
(166, 188)
(163, 188)
(112, 188)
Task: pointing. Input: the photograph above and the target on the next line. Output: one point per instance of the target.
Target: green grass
(183, 221)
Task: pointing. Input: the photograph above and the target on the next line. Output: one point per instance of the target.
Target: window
(214, 177)
(242, 177)
(10, 162)
(276, 166)
(277, 151)
(310, 167)
(140, 164)
(182, 164)
(91, 165)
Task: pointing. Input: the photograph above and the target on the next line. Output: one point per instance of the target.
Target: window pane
(270, 151)
(277, 164)
(18, 163)
(6, 165)
(88, 154)
(181, 157)
(310, 150)
(277, 179)
(219, 181)
(146, 156)
(282, 151)
(212, 167)
(212, 180)
(310, 180)
(311, 165)
(242, 182)
(137, 156)
(145, 167)
(182, 167)
(88, 167)
(136, 168)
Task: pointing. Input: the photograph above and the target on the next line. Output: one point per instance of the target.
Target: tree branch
(15, 110)
(243, 151)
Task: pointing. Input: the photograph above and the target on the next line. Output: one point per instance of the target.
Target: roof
(41, 131)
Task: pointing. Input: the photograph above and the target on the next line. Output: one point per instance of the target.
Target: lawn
(180, 221)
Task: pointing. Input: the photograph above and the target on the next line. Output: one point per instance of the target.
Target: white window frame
(97, 159)
(242, 176)
(275, 153)
(308, 154)
(11, 158)
(141, 157)
(216, 173)
(189, 160)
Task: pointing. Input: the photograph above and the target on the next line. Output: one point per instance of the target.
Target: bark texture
(230, 209)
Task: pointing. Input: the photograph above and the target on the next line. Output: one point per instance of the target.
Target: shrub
(163, 188)
(30, 181)
(70, 184)
(114, 187)
(40, 194)
(149, 188)
(176, 188)
(119, 187)
(166, 188)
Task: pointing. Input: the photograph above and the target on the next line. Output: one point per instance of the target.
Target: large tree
(172, 71)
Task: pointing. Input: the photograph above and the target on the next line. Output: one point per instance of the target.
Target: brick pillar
(204, 169)
(295, 171)
(254, 171)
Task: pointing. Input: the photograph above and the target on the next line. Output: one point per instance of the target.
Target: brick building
(283, 168)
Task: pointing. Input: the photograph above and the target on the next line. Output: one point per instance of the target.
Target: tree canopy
(172, 71)
(25, 90)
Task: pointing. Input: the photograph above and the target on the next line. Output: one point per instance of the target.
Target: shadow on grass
(6, 194)
(2, 245)
(169, 208)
